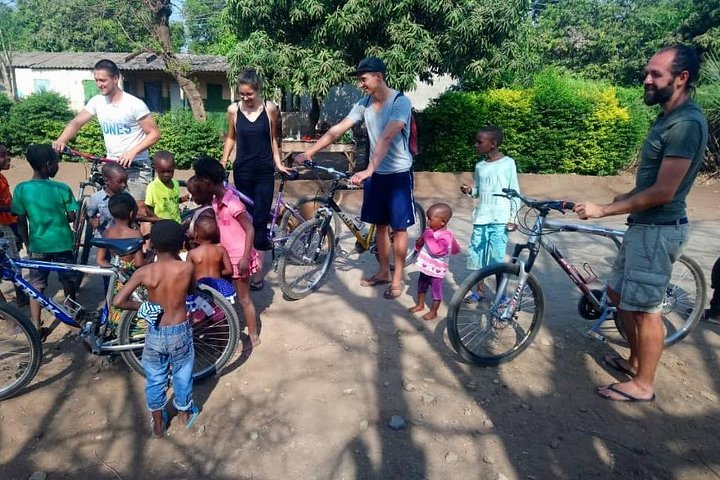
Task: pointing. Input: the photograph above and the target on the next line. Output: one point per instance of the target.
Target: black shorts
(388, 200)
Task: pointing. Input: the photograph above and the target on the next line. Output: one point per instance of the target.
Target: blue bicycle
(215, 335)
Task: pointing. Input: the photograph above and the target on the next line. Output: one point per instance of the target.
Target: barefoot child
(211, 261)
(493, 216)
(169, 338)
(436, 245)
(236, 233)
(123, 209)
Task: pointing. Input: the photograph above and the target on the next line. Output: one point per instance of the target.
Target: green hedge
(559, 125)
(41, 117)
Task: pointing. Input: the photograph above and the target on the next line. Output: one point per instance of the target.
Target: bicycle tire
(414, 232)
(82, 232)
(211, 353)
(475, 331)
(311, 245)
(17, 334)
(306, 207)
(684, 302)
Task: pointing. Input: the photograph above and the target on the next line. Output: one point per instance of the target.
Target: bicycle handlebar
(335, 173)
(70, 152)
(559, 205)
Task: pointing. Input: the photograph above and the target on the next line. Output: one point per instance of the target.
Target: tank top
(253, 149)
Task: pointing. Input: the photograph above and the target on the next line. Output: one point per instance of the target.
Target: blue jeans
(167, 348)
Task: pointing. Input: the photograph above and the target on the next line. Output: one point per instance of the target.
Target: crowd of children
(220, 239)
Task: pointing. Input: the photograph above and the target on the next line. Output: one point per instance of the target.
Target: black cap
(370, 64)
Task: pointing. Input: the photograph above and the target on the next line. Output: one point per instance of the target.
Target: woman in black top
(257, 154)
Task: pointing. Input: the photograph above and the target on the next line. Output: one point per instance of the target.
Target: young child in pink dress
(436, 245)
(236, 233)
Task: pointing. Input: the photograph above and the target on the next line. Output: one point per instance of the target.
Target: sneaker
(473, 297)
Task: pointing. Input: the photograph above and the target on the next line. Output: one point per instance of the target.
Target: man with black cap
(388, 196)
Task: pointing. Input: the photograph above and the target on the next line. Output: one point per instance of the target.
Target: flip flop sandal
(473, 297)
(373, 282)
(616, 363)
(626, 397)
(194, 412)
(257, 285)
(393, 292)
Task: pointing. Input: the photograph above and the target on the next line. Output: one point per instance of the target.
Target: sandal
(393, 292)
(473, 297)
(194, 412)
(616, 362)
(373, 281)
(259, 285)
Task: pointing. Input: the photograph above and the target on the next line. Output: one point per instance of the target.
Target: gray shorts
(643, 267)
(138, 180)
(7, 234)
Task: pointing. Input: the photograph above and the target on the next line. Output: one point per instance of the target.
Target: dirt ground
(315, 399)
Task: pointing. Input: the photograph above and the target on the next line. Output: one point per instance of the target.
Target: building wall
(65, 82)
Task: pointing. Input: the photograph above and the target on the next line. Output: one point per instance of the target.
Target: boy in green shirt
(45, 208)
(162, 198)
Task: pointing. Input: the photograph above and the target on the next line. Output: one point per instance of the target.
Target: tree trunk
(160, 11)
(7, 73)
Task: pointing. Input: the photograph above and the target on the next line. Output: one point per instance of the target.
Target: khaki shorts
(643, 267)
(138, 180)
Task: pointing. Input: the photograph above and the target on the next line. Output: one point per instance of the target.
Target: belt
(679, 221)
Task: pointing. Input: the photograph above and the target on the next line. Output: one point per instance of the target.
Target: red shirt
(6, 218)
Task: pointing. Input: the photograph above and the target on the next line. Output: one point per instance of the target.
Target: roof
(142, 61)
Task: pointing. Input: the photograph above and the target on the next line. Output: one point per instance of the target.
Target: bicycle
(214, 336)
(311, 248)
(499, 328)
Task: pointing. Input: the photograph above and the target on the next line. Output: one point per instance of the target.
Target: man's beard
(653, 95)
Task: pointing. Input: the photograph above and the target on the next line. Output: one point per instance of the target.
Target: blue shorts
(487, 245)
(388, 200)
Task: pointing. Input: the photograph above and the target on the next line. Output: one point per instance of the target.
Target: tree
(311, 45)
(207, 27)
(607, 39)
(702, 26)
(7, 74)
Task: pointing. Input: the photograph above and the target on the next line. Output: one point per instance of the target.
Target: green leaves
(559, 125)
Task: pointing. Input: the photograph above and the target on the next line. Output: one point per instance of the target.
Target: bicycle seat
(119, 246)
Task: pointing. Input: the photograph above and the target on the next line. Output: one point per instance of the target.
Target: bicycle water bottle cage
(119, 246)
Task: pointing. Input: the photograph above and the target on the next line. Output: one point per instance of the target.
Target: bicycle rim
(308, 255)
(20, 351)
(478, 332)
(684, 301)
(214, 339)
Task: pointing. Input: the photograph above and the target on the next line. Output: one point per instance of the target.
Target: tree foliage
(208, 28)
(702, 25)
(607, 39)
(311, 45)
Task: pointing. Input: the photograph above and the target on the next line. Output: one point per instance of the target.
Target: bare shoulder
(271, 107)
(232, 108)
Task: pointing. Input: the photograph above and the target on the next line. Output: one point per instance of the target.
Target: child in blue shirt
(493, 216)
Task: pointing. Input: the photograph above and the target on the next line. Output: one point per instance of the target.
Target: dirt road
(315, 399)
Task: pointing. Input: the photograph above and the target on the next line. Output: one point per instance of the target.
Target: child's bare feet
(183, 416)
(431, 315)
(416, 308)
(255, 341)
(158, 424)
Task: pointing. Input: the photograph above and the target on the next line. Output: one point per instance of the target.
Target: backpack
(412, 141)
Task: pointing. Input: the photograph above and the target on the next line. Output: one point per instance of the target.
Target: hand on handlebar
(302, 158)
(360, 177)
(59, 146)
(587, 210)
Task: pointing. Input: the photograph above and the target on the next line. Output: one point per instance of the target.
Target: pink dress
(232, 234)
(434, 255)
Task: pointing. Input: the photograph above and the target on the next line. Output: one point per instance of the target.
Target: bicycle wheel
(684, 301)
(214, 339)
(414, 232)
(20, 350)
(82, 235)
(308, 255)
(476, 330)
(306, 207)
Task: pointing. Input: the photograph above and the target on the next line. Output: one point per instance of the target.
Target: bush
(186, 138)
(560, 125)
(5, 105)
(38, 118)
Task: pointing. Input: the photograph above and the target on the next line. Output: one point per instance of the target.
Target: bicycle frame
(537, 240)
(10, 268)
